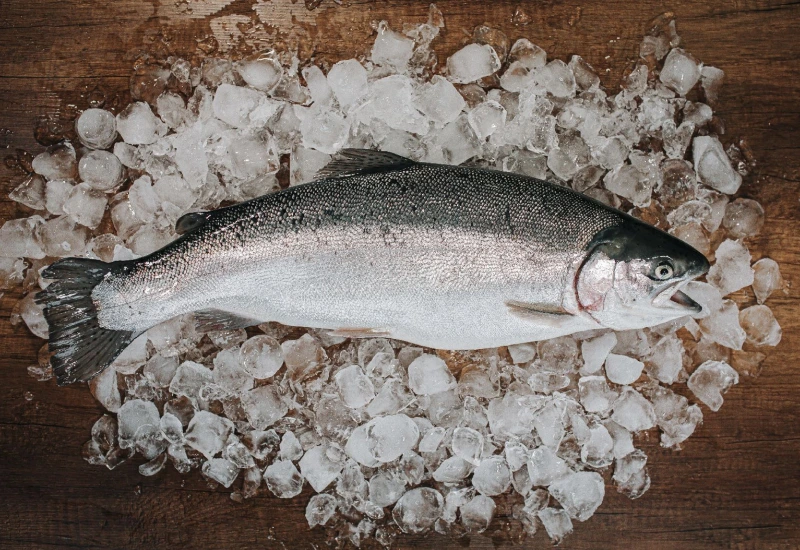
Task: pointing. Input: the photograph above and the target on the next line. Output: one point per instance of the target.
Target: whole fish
(445, 257)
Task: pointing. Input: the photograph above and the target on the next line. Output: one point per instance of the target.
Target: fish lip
(672, 297)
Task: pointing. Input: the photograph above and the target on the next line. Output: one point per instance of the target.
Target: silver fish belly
(441, 256)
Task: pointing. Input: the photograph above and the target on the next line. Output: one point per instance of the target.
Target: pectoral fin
(546, 314)
(357, 332)
(209, 320)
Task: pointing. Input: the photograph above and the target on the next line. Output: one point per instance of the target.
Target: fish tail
(81, 348)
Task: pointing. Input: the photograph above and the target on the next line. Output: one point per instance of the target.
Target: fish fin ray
(81, 348)
(209, 320)
(190, 222)
(348, 162)
(546, 314)
(359, 332)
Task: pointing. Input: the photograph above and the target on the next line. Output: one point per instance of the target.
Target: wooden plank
(735, 485)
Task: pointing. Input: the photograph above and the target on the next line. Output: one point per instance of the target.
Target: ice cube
(595, 394)
(348, 81)
(388, 437)
(262, 72)
(160, 370)
(467, 444)
(731, 270)
(220, 470)
(544, 466)
(676, 418)
(303, 357)
(585, 76)
(418, 510)
(632, 411)
(391, 49)
(522, 353)
(172, 428)
(324, 129)
(713, 167)
(105, 390)
(711, 80)
(439, 100)
(557, 78)
(623, 370)
(233, 104)
(665, 361)
(134, 416)
(85, 206)
(283, 479)
(477, 514)
(30, 192)
(61, 237)
(580, 493)
(571, 155)
(263, 406)
(358, 447)
(693, 234)
(766, 278)
(492, 476)
(290, 448)
(628, 182)
(529, 55)
(320, 509)
(207, 433)
(391, 99)
(228, 373)
(428, 374)
(55, 195)
(385, 489)
(556, 522)
(261, 356)
(471, 63)
(595, 351)
(101, 170)
(252, 157)
(58, 162)
(680, 71)
(760, 326)
(355, 387)
(452, 470)
(305, 163)
(710, 381)
(548, 382)
(318, 469)
(137, 125)
(96, 128)
(723, 327)
(743, 218)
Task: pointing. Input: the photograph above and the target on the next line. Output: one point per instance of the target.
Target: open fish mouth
(673, 298)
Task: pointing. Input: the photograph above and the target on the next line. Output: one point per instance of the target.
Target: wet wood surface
(736, 484)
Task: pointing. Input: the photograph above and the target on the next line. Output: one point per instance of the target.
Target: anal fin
(209, 320)
(357, 332)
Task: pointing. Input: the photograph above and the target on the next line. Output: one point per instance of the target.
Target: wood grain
(736, 484)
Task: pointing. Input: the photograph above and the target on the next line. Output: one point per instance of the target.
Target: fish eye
(664, 271)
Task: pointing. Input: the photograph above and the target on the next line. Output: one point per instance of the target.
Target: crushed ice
(393, 437)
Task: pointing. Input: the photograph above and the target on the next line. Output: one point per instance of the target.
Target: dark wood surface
(736, 484)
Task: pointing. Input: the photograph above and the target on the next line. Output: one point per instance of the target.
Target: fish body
(441, 256)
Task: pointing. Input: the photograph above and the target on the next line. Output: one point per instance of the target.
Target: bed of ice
(391, 437)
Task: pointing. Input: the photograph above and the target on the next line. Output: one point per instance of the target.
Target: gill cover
(632, 276)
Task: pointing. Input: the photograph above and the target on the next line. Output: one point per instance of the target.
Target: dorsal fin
(359, 161)
(189, 222)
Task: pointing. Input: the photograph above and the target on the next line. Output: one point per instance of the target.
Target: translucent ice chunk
(207, 433)
(477, 514)
(261, 356)
(101, 169)
(713, 167)
(760, 326)
(418, 510)
(680, 71)
(320, 509)
(545, 467)
(85, 206)
(556, 522)
(391, 49)
(283, 479)
(388, 437)
(96, 128)
(632, 411)
(492, 476)
(355, 387)
(303, 356)
(732, 270)
(428, 374)
(385, 489)
(623, 370)
(348, 81)
(233, 104)
(58, 162)
(318, 469)
(710, 381)
(743, 218)
(557, 78)
(580, 493)
(138, 125)
(439, 100)
(18, 238)
(262, 72)
(471, 63)
(263, 406)
(595, 394)
(766, 279)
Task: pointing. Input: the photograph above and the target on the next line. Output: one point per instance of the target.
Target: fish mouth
(673, 298)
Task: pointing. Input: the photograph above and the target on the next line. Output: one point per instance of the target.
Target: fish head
(633, 275)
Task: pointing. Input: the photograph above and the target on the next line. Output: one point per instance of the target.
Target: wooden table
(735, 485)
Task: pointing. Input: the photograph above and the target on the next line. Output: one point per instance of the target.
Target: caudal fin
(81, 347)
